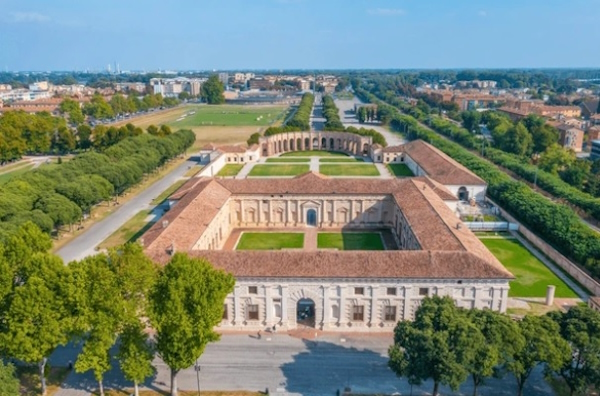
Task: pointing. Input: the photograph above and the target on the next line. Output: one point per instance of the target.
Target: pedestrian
(274, 328)
(70, 365)
(259, 334)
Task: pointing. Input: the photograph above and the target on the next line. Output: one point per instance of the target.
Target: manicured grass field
(228, 115)
(400, 170)
(168, 192)
(350, 240)
(532, 276)
(230, 170)
(314, 153)
(5, 177)
(270, 241)
(131, 231)
(278, 170)
(351, 159)
(288, 160)
(349, 170)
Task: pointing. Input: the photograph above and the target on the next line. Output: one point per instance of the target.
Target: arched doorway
(463, 194)
(311, 218)
(305, 312)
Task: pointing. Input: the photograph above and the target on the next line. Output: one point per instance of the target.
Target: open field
(314, 153)
(129, 232)
(221, 135)
(288, 160)
(350, 240)
(532, 275)
(156, 117)
(278, 170)
(349, 170)
(270, 241)
(30, 380)
(228, 115)
(399, 170)
(230, 170)
(6, 176)
(350, 159)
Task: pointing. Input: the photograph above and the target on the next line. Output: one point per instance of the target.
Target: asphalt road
(293, 366)
(317, 121)
(349, 119)
(85, 244)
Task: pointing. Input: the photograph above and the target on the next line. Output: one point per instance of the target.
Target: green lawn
(5, 177)
(278, 170)
(288, 160)
(131, 231)
(230, 170)
(349, 170)
(350, 241)
(399, 170)
(270, 241)
(168, 192)
(314, 153)
(230, 115)
(351, 159)
(532, 276)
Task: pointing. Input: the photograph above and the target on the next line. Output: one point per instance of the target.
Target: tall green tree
(580, 327)
(542, 345)
(556, 159)
(9, 383)
(212, 90)
(518, 140)
(437, 345)
(185, 305)
(135, 354)
(471, 120)
(73, 110)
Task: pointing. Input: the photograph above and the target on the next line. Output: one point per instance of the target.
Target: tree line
(447, 345)
(300, 121)
(56, 196)
(103, 301)
(556, 223)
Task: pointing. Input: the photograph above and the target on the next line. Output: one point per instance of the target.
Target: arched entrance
(311, 217)
(305, 312)
(463, 194)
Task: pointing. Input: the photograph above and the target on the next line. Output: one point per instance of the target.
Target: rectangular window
(252, 289)
(423, 291)
(358, 312)
(391, 291)
(277, 300)
(224, 311)
(390, 313)
(359, 291)
(252, 312)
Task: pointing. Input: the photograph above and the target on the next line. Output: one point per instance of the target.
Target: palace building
(428, 250)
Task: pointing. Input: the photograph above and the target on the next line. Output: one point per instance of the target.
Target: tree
(84, 135)
(212, 90)
(9, 383)
(135, 354)
(164, 130)
(578, 173)
(152, 130)
(542, 345)
(580, 327)
(185, 305)
(253, 139)
(556, 158)
(98, 108)
(438, 345)
(471, 120)
(35, 312)
(73, 110)
(64, 140)
(518, 140)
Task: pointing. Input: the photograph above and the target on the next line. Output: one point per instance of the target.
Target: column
(503, 299)
(326, 307)
(268, 305)
(268, 219)
(407, 302)
(343, 318)
(237, 318)
(288, 211)
(242, 214)
(372, 317)
(284, 306)
(260, 210)
(333, 213)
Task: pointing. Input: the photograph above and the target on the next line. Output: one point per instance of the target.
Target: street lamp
(197, 369)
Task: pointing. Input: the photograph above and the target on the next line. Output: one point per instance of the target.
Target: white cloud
(34, 17)
(482, 13)
(386, 11)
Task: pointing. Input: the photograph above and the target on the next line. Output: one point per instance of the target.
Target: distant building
(589, 107)
(556, 111)
(260, 83)
(570, 137)
(224, 78)
(5, 87)
(39, 86)
(594, 133)
(595, 153)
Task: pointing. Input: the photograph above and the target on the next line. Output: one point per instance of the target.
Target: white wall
(214, 167)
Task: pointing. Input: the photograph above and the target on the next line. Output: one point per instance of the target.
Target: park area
(348, 170)
(350, 240)
(532, 276)
(228, 115)
(270, 241)
(278, 170)
(399, 170)
(230, 170)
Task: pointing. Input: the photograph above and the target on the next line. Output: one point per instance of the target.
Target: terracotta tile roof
(439, 189)
(439, 166)
(393, 149)
(184, 224)
(232, 149)
(409, 264)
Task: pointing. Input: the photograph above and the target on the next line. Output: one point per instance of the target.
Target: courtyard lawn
(288, 160)
(400, 170)
(349, 170)
(228, 115)
(230, 170)
(350, 241)
(270, 241)
(278, 170)
(314, 153)
(351, 159)
(532, 276)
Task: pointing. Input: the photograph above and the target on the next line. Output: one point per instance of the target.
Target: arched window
(463, 194)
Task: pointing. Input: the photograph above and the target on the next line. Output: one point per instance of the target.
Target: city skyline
(231, 35)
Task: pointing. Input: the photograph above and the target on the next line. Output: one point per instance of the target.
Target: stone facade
(304, 141)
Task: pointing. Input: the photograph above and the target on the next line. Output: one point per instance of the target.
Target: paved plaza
(298, 364)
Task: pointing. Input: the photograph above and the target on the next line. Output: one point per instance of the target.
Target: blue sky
(286, 34)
